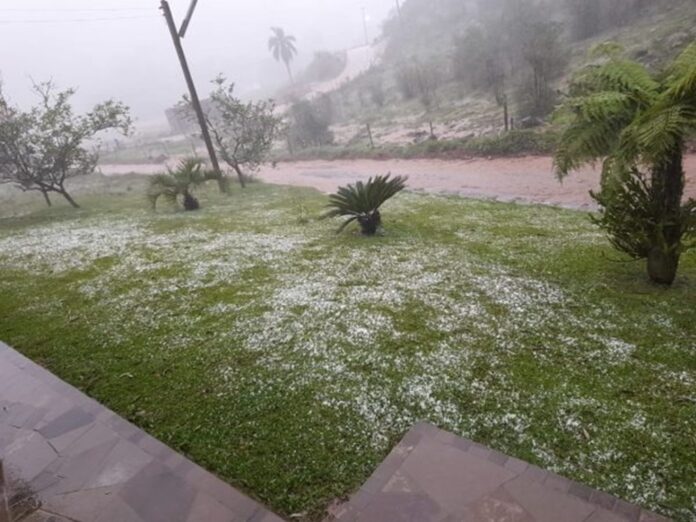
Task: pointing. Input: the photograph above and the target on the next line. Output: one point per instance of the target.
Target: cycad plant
(361, 202)
(178, 184)
(636, 124)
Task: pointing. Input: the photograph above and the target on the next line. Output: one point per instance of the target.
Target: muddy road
(526, 179)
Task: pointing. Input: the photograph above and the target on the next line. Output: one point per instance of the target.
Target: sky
(122, 49)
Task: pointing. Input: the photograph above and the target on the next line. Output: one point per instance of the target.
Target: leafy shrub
(634, 217)
(415, 80)
(407, 82)
(513, 143)
(309, 123)
(376, 90)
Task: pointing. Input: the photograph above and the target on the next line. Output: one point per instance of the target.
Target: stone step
(433, 475)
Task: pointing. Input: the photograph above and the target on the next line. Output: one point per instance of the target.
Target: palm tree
(636, 124)
(178, 183)
(283, 48)
(361, 202)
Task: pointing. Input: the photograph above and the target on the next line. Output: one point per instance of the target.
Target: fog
(122, 49)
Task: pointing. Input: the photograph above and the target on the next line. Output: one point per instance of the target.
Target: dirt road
(527, 179)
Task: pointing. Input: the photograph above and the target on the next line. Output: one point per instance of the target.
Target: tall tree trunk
(223, 185)
(667, 189)
(240, 175)
(287, 66)
(506, 116)
(46, 198)
(68, 198)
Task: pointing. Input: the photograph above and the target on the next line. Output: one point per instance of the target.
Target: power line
(78, 20)
(74, 10)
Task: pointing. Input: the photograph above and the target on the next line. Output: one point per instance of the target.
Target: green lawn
(290, 360)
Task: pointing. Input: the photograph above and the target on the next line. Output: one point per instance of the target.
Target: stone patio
(68, 458)
(74, 460)
(433, 476)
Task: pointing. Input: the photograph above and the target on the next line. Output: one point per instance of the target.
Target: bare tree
(44, 147)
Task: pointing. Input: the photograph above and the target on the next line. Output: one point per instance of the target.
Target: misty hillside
(461, 65)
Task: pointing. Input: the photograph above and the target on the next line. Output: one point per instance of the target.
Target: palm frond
(621, 76)
(584, 141)
(345, 224)
(660, 131)
(610, 96)
(162, 186)
(604, 105)
(682, 76)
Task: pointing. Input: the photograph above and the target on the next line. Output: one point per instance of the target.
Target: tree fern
(636, 125)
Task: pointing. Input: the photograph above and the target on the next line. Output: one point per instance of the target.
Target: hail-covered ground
(289, 360)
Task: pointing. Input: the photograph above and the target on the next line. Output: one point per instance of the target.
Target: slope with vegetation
(459, 71)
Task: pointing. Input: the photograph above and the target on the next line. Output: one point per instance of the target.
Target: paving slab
(434, 476)
(68, 458)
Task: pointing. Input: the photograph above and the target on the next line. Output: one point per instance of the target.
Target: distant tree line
(587, 18)
(516, 50)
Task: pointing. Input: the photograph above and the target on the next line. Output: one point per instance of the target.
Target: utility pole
(398, 8)
(187, 20)
(195, 101)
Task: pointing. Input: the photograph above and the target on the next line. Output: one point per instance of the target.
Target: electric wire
(74, 20)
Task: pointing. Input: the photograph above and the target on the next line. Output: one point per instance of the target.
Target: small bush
(376, 90)
(512, 143)
(309, 123)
